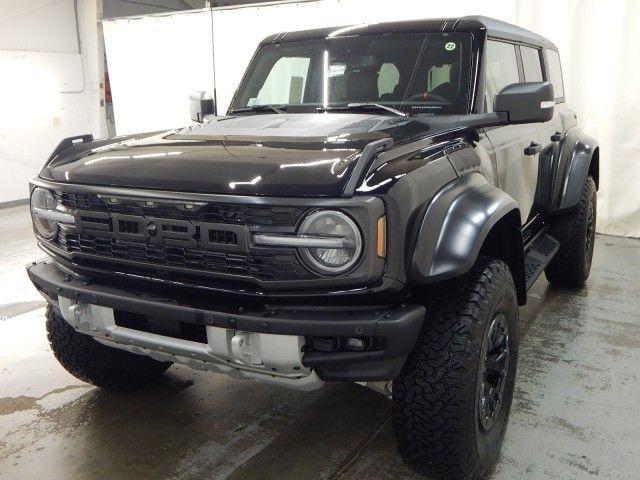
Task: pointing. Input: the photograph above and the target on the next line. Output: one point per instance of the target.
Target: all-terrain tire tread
(431, 397)
(95, 363)
(567, 267)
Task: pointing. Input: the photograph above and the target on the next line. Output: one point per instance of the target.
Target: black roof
(509, 31)
(494, 28)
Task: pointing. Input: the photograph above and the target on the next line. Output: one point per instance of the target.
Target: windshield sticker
(337, 69)
(253, 101)
(450, 46)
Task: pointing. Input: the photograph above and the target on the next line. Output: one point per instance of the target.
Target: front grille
(263, 267)
(164, 236)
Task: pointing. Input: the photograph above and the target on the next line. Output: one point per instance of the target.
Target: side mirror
(201, 104)
(525, 102)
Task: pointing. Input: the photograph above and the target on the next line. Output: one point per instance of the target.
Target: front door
(517, 164)
(516, 147)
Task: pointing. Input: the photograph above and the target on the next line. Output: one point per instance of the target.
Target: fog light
(354, 343)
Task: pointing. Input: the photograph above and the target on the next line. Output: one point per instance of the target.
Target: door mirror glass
(200, 104)
(525, 102)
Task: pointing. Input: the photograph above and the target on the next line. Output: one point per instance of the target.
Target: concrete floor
(576, 413)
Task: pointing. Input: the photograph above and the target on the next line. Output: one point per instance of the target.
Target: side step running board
(538, 256)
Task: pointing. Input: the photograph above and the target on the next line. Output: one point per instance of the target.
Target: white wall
(48, 89)
(154, 64)
(597, 42)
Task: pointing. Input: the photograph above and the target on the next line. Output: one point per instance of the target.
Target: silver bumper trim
(280, 355)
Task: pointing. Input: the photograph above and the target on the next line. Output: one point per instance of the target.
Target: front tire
(95, 363)
(576, 233)
(452, 400)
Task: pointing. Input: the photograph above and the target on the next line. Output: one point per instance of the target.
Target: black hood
(260, 154)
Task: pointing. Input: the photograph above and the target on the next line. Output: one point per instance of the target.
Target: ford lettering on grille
(184, 233)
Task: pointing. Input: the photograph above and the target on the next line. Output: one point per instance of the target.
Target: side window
(531, 64)
(285, 82)
(555, 73)
(501, 69)
(388, 78)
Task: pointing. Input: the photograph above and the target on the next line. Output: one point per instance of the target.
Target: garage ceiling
(125, 8)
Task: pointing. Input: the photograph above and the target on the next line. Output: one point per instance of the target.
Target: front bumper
(397, 328)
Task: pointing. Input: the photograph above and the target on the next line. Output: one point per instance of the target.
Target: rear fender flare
(580, 151)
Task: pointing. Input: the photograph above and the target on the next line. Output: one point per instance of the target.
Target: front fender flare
(454, 228)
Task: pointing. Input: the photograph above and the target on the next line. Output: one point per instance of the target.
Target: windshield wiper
(260, 108)
(354, 107)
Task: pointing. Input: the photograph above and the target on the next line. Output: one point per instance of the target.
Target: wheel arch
(504, 242)
(466, 218)
(594, 167)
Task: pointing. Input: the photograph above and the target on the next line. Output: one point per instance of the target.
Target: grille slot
(126, 226)
(94, 221)
(174, 228)
(223, 237)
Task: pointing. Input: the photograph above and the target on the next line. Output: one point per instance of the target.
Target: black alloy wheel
(495, 369)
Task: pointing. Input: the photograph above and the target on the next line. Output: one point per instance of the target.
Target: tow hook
(245, 348)
(77, 311)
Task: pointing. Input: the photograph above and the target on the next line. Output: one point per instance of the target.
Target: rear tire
(95, 363)
(452, 400)
(576, 233)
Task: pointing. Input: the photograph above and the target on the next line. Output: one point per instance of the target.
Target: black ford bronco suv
(372, 208)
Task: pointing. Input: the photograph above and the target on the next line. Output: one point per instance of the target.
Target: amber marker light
(382, 236)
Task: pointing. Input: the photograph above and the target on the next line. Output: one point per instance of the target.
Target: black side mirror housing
(531, 102)
(200, 105)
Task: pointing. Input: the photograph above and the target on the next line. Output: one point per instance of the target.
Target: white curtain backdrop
(155, 61)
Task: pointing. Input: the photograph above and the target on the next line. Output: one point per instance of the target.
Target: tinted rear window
(555, 73)
(531, 64)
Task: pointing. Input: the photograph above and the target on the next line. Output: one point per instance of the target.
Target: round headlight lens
(42, 200)
(329, 224)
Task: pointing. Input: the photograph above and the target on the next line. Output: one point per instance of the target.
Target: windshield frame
(462, 106)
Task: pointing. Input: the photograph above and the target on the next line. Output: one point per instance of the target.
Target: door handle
(533, 149)
(556, 137)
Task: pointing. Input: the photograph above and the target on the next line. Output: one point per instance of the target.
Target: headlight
(43, 202)
(331, 225)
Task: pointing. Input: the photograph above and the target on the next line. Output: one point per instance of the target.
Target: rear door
(516, 164)
(532, 61)
(552, 132)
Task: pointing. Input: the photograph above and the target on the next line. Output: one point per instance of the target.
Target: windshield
(414, 73)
